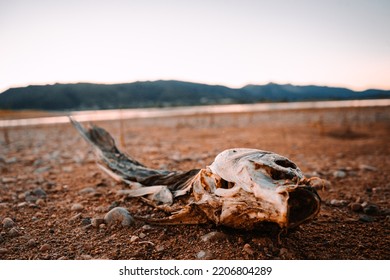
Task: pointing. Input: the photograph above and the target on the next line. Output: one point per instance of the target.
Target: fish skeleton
(242, 188)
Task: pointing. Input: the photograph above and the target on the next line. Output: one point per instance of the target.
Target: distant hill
(86, 96)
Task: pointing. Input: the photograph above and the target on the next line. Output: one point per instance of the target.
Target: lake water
(103, 115)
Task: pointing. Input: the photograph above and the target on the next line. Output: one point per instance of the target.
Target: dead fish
(242, 188)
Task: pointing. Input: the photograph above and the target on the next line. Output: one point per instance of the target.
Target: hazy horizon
(229, 43)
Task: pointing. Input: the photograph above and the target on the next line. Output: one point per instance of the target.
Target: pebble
(355, 207)
(284, 253)
(40, 202)
(86, 221)
(39, 192)
(7, 180)
(320, 184)
(371, 209)
(45, 247)
(213, 236)
(365, 167)
(77, 207)
(8, 223)
(31, 243)
(338, 202)
(88, 190)
(42, 169)
(102, 226)
(119, 214)
(248, 249)
(3, 251)
(366, 219)
(204, 255)
(13, 232)
(142, 235)
(134, 238)
(160, 248)
(339, 174)
(96, 222)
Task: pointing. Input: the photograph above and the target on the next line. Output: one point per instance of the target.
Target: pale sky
(232, 43)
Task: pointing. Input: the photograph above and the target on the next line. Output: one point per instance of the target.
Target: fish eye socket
(279, 175)
(285, 163)
(226, 184)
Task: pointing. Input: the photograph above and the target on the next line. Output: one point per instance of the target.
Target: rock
(96, 222)
(67, 169)
(45, 247)
(134, 238)
(85, 257)
(39, 192)
(146, 227)
(13, 232)
(119, 214)
(102, 226)
(365, 218)
(365, 167)
(248, 249)
(355, 207)
(3, 251)
(40, 202)
(213, 236)
(86, 221)
(88, 190)
(142, 235)
(42, 169)
(338, 203)
(285, 254)
(339, 174)
(320, 184)
(77, 207)
(31, 243)
(8, 223)
(371, 209)
(8, 180)
(204, 255)
(160, 248)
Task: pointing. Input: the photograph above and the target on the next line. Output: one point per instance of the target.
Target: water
(104, 115)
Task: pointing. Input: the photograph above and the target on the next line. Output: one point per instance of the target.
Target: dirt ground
(51, 187)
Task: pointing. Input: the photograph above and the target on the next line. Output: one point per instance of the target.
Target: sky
(231, 43)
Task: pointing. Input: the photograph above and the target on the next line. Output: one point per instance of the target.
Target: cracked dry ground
(51, 188)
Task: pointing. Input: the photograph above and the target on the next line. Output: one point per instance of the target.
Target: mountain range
(166, 93)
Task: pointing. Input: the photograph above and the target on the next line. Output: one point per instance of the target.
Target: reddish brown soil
(58, 161)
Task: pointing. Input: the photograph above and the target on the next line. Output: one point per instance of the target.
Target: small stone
(320, 184)
(77, 207)
(366, 219)
(355, 207)
(45, 247)
(102, 226)
(3, 251)
(22, 204)
(96, 222)
(134, 238)
(31, 243)
(146, 227)
(85, 257)
(142, 235)
(338, 203)
(8, 223)
(204, 255)
(86, 221)
(62, 258)
(248, 249)
(67, 169)
(365, 167)
(371, 209)
(160, 248)
(119, 214)
(213, 236)
(40, 202)
(88, 190)
(42, 169)
(339, 174)
(8, 180)
(13, 232)
(39, 192)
